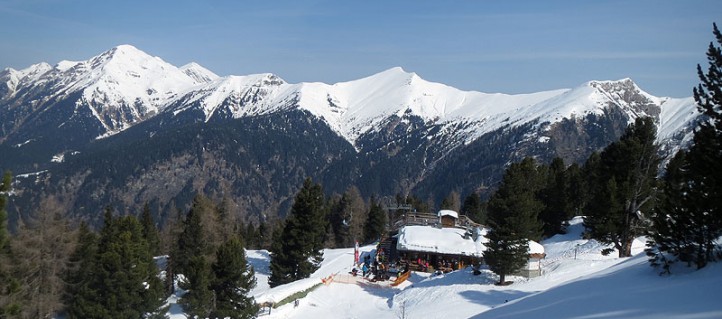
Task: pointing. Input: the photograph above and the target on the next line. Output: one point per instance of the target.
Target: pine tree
(506, 252)
(150, 230)
(705, 157)
(199, 299)
(513, 218)
(554, 196)
(669, 233)
(516, 199)
(79, 273)
(688, 223)
(191, 241)
(376, 224)
(576, 190)
(347, 217)
(226, 218)
(297, 252)
(623, 187)
(473, 207)
(233, 281)
(123, 281)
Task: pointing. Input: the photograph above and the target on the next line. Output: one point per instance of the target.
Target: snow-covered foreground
(582, 285)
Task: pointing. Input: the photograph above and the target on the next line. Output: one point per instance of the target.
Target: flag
(355, 253)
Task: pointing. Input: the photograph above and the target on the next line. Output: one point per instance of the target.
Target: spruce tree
(705, 158)
(376, 223)
(473, 207)
(123, 281)
(517, 201)
(150, 230)
(191, 241)
(689, 221)
(198, 300)
(506, 252)
(232, 282)
(670, 233)
(554, 197)
(513, 218)
(624, 184)
(79, 274)
(576, 190)
(297, 251)
(347, 217)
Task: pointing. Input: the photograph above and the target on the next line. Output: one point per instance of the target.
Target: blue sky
(488, 46)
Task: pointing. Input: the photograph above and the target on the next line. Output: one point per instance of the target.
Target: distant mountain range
(124, 128)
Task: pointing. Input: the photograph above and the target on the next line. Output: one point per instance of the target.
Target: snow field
(590, 286)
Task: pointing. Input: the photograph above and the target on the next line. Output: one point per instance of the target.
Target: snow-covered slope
(124, 86)
(198, 73)
(119, 87)
(362, 106)
(578, 282)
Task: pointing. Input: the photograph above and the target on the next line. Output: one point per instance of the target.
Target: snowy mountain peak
(395, 75)
(198, 73)
(10, 78)
(232, 96)
(625, 85)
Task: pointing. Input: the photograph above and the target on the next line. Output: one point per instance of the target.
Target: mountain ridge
(351, 108)
(124, 128)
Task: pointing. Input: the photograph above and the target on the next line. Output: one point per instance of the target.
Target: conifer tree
(347, 217)
(705, 158)
(150, 230)
(232, 282)
(623, 187)
(376, 223)
(122, 282)
(79, 273)
(473, 207)
(297, 252)
(554, 196)
(576, 190)
(516, 201)
(199, 299)
(669, 233)
(506, 252)
(513, 217)
(191, 241)
(689, 221)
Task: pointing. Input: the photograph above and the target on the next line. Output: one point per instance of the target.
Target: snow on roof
(439, 240)
(448, 241)
(535, 248)
(448, 212)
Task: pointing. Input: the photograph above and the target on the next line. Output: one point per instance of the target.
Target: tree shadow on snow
(493, 298)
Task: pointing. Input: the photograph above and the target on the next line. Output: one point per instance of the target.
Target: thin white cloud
(531, 56)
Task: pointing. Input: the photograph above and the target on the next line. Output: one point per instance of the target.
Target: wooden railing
(425, 219)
